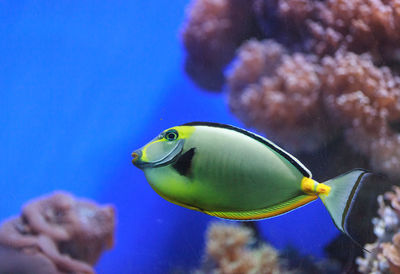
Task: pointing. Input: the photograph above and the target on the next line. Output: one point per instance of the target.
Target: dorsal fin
(293, 160)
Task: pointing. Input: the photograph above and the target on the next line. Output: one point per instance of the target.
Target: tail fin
(341, 196)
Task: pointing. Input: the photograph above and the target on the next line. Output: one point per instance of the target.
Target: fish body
(232, 173)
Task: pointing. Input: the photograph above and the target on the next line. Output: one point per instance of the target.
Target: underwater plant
(322, 69)
(385, 252)
(56, 234)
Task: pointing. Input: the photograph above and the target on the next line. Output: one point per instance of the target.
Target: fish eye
(171, 135)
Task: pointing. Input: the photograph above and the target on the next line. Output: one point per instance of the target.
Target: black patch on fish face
(184, 163)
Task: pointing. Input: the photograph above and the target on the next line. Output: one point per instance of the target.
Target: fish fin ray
(340, 199)
(264, 213)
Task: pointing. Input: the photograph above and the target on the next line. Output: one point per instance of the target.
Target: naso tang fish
(232, 173)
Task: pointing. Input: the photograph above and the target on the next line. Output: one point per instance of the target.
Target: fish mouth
(167, 159)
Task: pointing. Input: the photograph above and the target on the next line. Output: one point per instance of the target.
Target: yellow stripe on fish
(265, 212)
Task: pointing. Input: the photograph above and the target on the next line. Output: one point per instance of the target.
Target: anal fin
(265, 212)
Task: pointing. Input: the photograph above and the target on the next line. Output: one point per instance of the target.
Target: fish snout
(135, 156)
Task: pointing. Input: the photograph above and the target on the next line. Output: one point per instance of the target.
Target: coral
(215, 29)
(344, 94)
(364, 100)
(266, 82)
(321, 69)
(228, 249)
(232, 248)
(384, 256)
(357, 25)
(56, 234)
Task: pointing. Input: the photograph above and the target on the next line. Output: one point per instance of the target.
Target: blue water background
(83, 84)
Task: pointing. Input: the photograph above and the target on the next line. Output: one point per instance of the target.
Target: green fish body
(232, 173)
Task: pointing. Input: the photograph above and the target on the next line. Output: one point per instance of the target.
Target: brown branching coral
(319, 69)
(231, 248)
(215, 29)
(228, 249)
(279, 94)
(56, 234)
(358, 25)
(385, 252)
(364, 100)
(266, 82)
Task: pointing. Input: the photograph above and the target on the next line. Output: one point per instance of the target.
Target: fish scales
(243, 174)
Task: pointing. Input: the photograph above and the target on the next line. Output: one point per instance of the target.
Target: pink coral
(266, 82)
(318, 100)
(364, 100)
(56, 234)
(211, 36)
(359, 25)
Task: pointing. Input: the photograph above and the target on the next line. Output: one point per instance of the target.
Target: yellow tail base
(310, 186)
